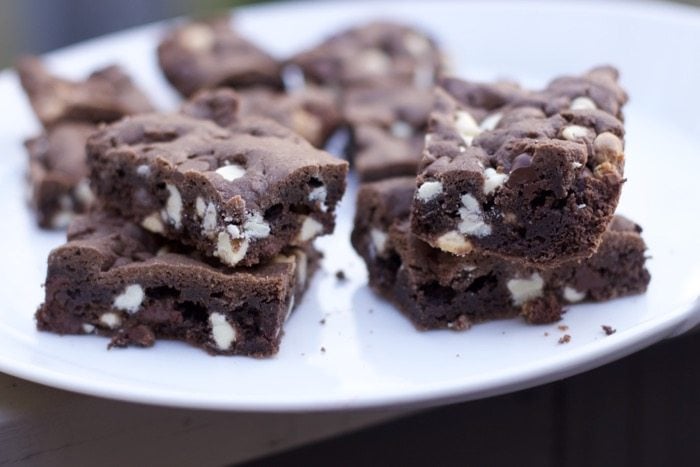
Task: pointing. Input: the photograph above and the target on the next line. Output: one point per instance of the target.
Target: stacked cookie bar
(510, 206)
(202, 221)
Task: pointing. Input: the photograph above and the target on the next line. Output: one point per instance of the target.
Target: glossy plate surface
(373, 356)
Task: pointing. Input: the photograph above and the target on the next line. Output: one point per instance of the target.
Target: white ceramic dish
(373, 356)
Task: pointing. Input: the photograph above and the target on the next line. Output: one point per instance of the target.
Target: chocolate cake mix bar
(240, 194)
(311, 112)
(209, 54)
(435, 289)
(388, 125)
(106, 95)
(115, 279)
(530, 176)
(373, 53)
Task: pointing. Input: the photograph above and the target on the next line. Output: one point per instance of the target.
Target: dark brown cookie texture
(209, 54)
(57, 175)
(388, 125)
(531, 176)
(106, 95)
(115, 279)
(311, 112)
(435, 289)
(239, 194)
(373, 53)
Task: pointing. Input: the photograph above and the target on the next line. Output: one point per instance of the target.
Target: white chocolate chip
(608, 148)
(152, 223)
(429, 190)
(491, 122)
(583, 103)
(173, 206)
(401, 129)
(225, 252)
(83, 192)
(62, 219)
(200, 206)
(231, 172)
(574, 132)
(234, 231)
(209, 220)
(290, 307)
(455, 243)
(319, 195)
(197, 38)
(143, 170)
(164, 250)
(302, 266)
(111, 320)
(416, 44)
(472, 218)
(576, 165)
(310, 228)
(466, 126)
(222, 332)
(572, 295)
(130, 299)
(469, 267)
(522, 290)
(88, 328)
(379, 239)
(373, 62)
(493, 180)
(424, 76)
(255, 226)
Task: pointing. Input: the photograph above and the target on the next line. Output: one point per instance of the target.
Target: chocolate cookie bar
(114, 279)
(440, 290)
(387, 124)
(311, 112)
(57, 175)
(209, 54)
(106, 95)
(532, 176)
(373, 53)
(240, 194)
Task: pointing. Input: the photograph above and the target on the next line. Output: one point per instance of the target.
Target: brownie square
(435, 289)
(311, 112)
(387, 124)
(240, 194)
(530, 176)
(372, 53)
(209, 54)
(106, 95)
(115, 279)
(57, 175)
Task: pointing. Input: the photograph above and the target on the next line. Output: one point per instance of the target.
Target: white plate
(373, 356)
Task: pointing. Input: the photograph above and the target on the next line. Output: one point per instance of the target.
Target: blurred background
(36, 26)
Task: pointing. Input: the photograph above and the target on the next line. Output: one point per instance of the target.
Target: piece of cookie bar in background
(69, 111)
(209, 54)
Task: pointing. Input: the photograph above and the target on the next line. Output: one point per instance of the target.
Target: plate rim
(555, 367)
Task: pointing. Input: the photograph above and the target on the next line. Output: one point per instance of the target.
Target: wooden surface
(643, 410)
(40, 426)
